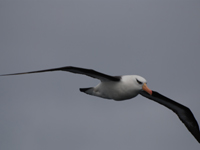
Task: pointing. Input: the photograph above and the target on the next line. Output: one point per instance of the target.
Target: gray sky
(159, 40)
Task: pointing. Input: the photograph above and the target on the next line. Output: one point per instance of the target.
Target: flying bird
(125, 87)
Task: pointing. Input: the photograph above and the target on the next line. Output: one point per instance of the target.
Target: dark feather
(88, 72)
(183, 112)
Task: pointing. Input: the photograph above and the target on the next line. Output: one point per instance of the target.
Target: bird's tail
(87, 90)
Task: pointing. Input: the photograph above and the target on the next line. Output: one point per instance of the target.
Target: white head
(141, 83)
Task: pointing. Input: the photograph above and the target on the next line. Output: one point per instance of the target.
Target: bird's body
(126, 87)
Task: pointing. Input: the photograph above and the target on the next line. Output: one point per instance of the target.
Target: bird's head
(142, 84)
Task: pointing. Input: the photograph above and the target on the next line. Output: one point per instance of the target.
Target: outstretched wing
(88, 72)
(183, 112)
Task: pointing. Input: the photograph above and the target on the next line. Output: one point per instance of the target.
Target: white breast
(125, 89)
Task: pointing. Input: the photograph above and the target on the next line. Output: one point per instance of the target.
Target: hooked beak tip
(146, 89)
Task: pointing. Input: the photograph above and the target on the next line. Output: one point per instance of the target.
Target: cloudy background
(159, 40)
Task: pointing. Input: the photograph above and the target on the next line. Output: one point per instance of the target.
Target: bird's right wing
(88, 72)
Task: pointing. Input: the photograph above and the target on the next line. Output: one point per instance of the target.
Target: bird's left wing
(183, 112)
(88, 72)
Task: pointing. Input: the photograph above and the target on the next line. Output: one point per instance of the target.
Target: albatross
(125, 87)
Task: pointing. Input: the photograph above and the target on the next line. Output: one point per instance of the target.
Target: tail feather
(87, 90)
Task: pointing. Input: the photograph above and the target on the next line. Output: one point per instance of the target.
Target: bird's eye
(138, 81)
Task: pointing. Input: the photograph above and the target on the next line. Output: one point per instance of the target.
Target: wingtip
(197, 136)
(4, 74)
(12, 74)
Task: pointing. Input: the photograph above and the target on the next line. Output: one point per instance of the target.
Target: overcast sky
(159, 40)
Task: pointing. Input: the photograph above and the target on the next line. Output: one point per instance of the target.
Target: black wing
(88, 72)
(183, 112)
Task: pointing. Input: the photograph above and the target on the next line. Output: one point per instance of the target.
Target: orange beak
(145, 88)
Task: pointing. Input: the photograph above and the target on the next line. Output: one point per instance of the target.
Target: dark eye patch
(138, 81)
